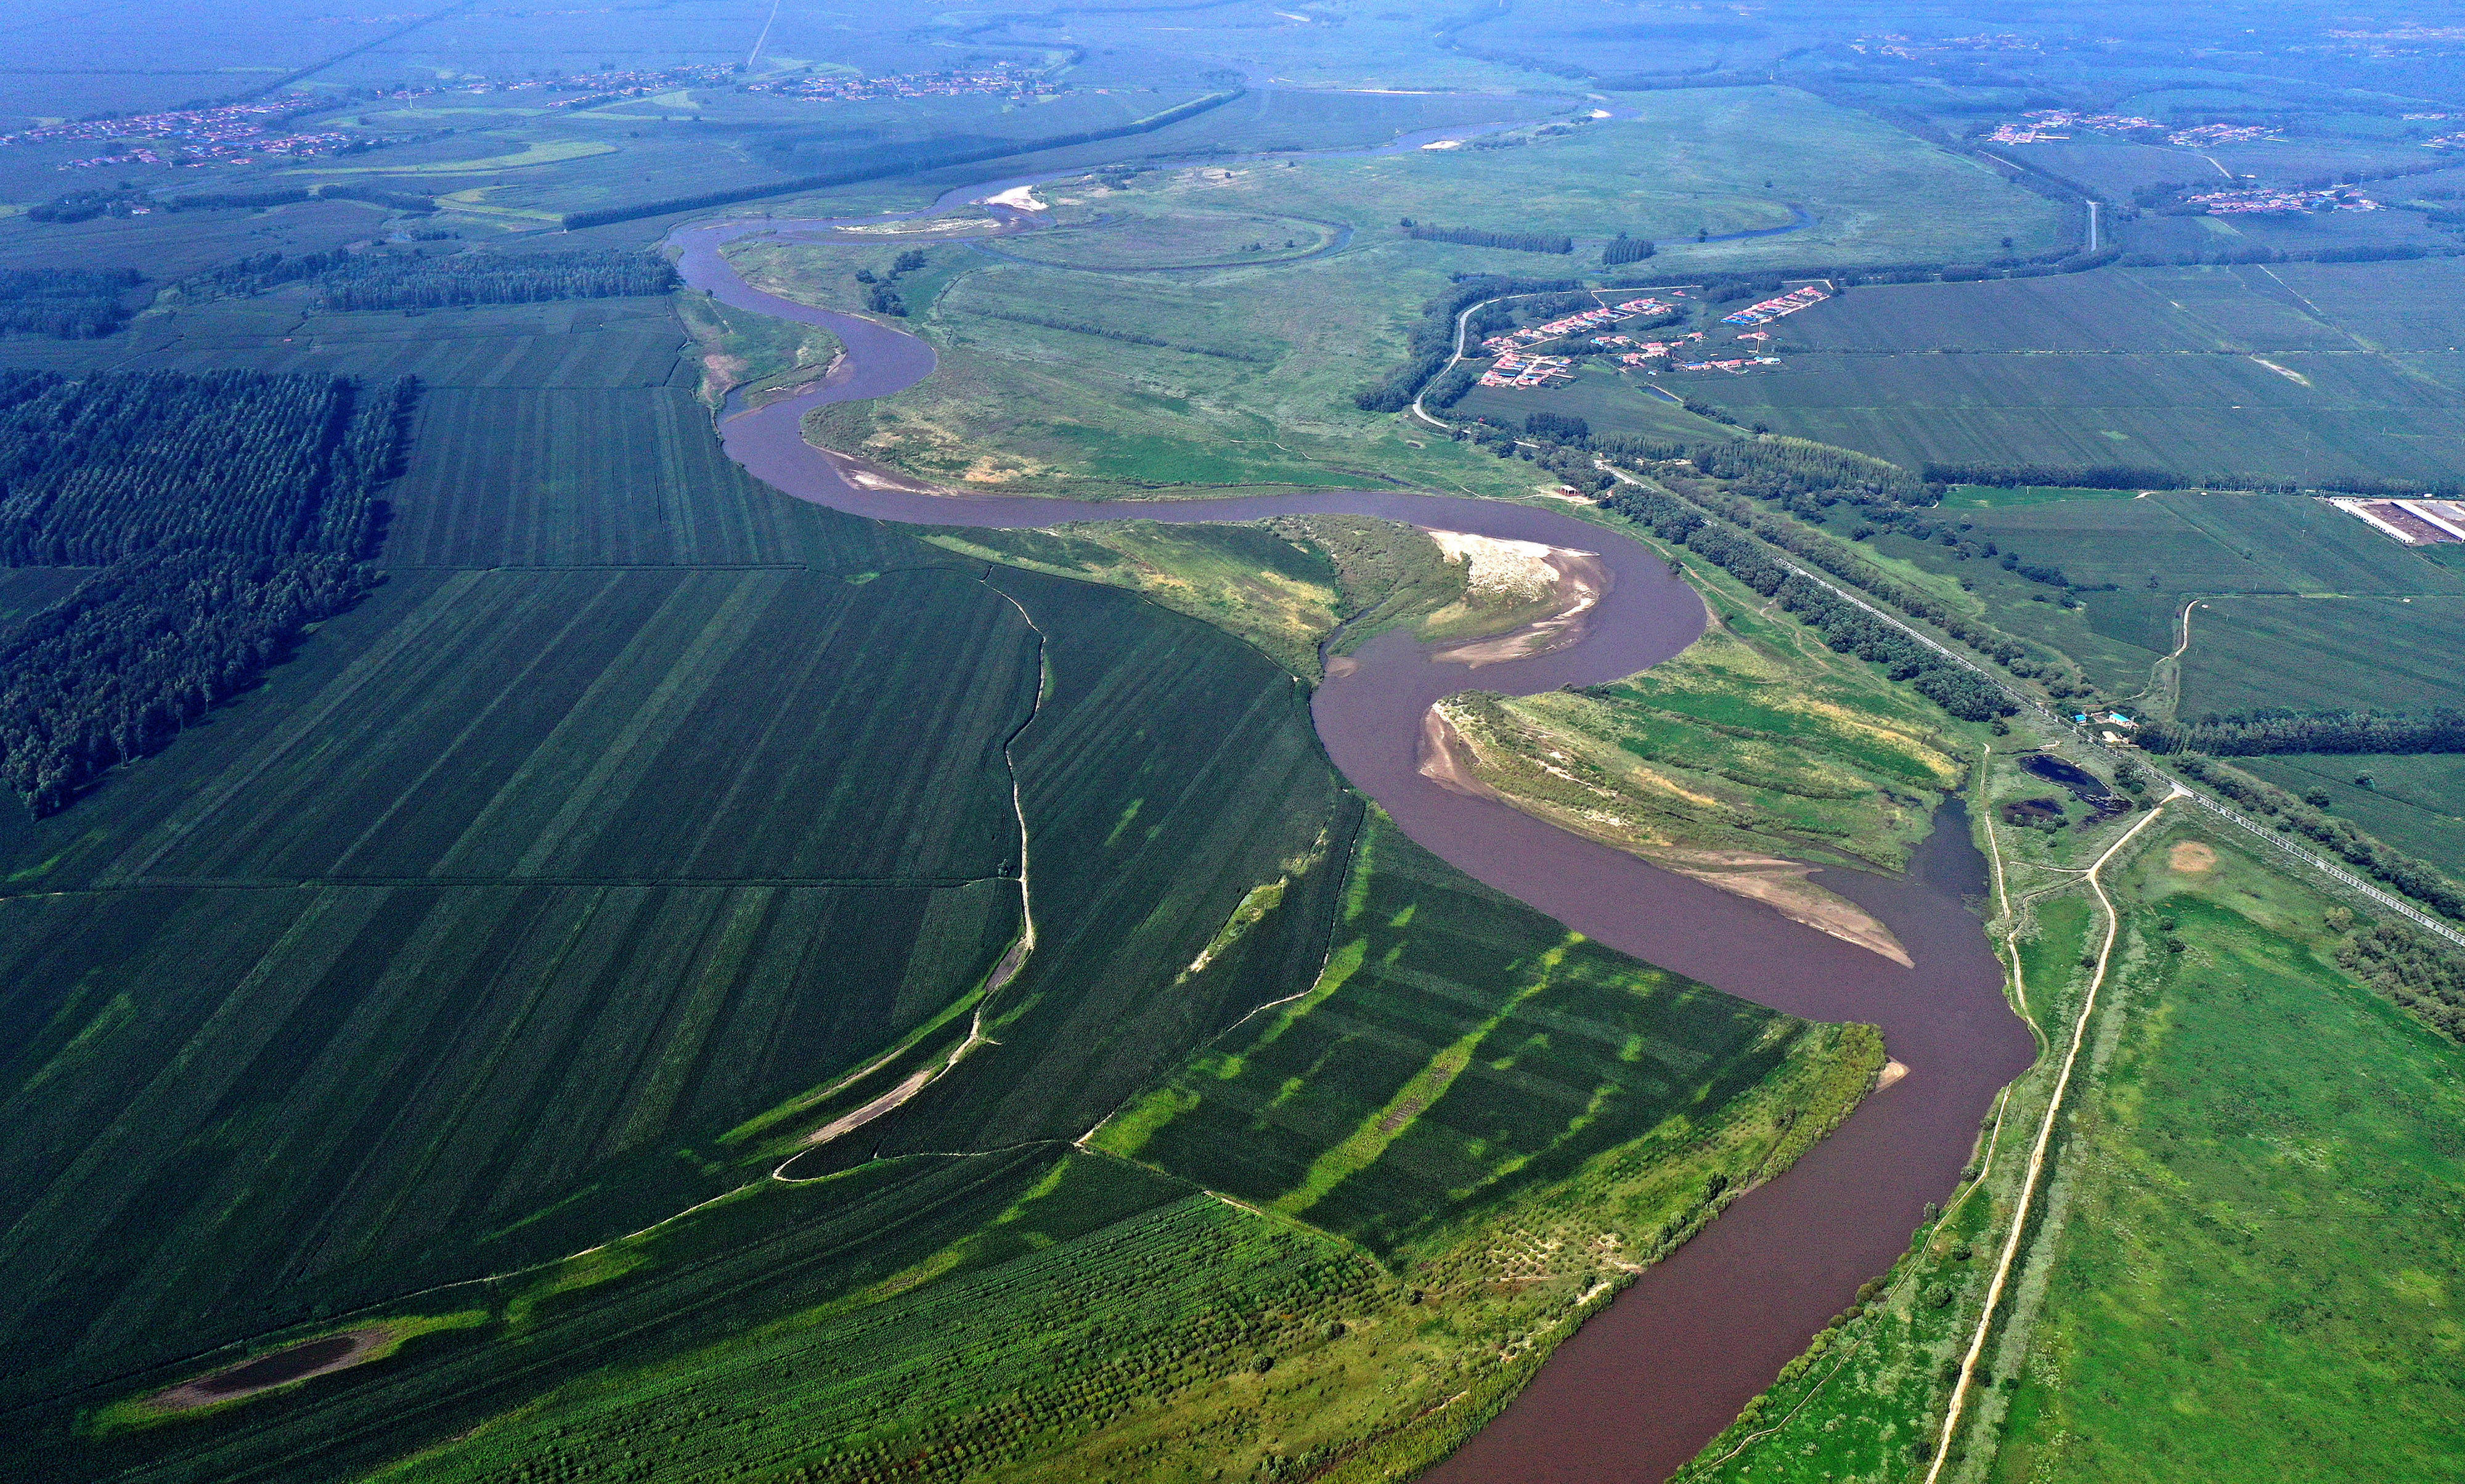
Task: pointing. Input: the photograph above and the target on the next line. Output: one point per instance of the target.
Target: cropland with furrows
(653, 980)
(642, 824)
(2305, 372)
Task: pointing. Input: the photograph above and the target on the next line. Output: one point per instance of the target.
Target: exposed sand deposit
(1451, 761)
(1506, 576)
(1018, 198)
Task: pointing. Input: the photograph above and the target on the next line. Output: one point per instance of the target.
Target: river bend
(1641, 1387)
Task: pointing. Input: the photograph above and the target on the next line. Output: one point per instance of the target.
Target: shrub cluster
(2411, 970)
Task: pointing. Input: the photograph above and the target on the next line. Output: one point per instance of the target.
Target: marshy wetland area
(1579, 742)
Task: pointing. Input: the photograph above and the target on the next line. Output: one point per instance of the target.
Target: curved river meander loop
(1668, 1365)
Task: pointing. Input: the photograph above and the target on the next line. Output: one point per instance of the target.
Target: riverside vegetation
(448, 962)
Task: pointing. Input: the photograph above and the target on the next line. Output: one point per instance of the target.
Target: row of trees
(2262, 733)
(1474, 236)
(1843, 625)
(1125, 337)
(887, 164)
(111, 465)
(143, 648)
(227, 512)
(65, 303)
(1787, 471)
(412, 281)
(1623, 249)
(347, 281)
(2128, 477)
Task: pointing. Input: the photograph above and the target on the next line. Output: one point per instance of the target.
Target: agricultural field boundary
(2384, 901)
(2045, 1136)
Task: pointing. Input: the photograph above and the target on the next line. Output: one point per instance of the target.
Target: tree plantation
(227, 512)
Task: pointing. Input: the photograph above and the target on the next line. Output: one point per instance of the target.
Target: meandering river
(1643, 1386)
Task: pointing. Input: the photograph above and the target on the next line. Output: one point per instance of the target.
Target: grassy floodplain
(1756, 738)
(1143, 380)
(2219, 1240)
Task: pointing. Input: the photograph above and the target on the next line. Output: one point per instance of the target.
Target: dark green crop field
(2321, 653)
(340, 1094)
(2414, 802)
(1458, 1052)
(2314, 371)
(600, 725)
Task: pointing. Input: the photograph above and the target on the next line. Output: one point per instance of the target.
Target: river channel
(1643, 1386)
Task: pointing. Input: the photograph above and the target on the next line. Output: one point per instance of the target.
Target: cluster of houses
(190, 135)
(2052, 125)
(2276, 199)
(227, 151)
(2209, 136)
(2416, 522)
(1517, 369)
(1650, 350)
(1000, 81)
(1771, 309)
(1573, 324)
(1736, 366)
(1900, 44)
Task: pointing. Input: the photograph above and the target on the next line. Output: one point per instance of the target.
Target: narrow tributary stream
(1643, 1386)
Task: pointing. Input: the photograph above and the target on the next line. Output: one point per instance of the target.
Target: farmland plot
(1139, 866)
(2324, 653)
(2316, 372)
(234, 1105)
(625, 726)
(1461, 1052)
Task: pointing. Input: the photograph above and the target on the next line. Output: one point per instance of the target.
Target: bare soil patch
(281, 1367)
(2192, 858)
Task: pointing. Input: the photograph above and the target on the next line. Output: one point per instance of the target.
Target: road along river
(1643, 1386)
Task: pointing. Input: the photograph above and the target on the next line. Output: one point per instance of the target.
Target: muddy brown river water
(1643, 1386)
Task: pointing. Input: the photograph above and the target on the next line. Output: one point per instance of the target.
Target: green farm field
(2415, 803)
(2304, 371)
(1382, 1106)
(2321, 653)
(2289, 585)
